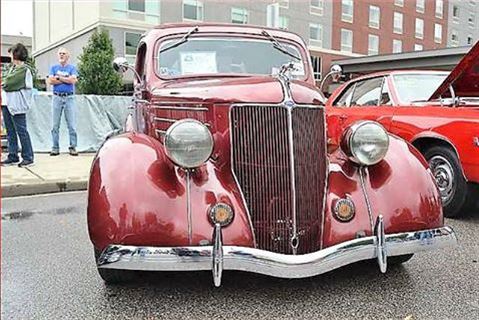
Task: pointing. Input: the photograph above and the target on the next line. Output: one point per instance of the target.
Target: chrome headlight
(365, 142)
(188, 143)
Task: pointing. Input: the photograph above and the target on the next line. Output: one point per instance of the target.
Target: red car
(436, 111)
(224, 165)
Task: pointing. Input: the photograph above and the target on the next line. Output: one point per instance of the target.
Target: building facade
(372, 27)
(463, 23)
(333, 29)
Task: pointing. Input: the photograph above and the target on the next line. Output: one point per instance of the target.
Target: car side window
(385, 95)
(345, 97)
(367, 92)
(141, 62)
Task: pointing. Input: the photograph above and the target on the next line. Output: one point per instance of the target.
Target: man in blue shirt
(63, 77)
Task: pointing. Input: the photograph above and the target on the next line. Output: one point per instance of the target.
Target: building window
(439, 8)
(315, 34)
(283, 22)
(272, 15)
(131, 43)
(471, 19)
(316, 62)
(192, 10)
(136, 5)
(374, 16)
(397, 46)
(420, 5)
(437, 33)
(398, 18)
(152, 12)
(469, 39)
(284, 4)
(151, 9)
(373, 45)
(347, 10)
(399, 3)
(239, 15)
(419, 28)
(120, 9)
(346, 40)
(417, 47)
(454, 38)
(455, 13)
(316, 7)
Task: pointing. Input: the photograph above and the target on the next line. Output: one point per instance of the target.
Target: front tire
(114, 276)
(450, 180)
(396, 260)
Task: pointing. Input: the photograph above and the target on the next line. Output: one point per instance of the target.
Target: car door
(367, 99)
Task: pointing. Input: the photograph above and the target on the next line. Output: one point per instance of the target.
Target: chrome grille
(310, 174)
(261, 163)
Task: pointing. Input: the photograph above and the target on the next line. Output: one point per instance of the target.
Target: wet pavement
(48, 272)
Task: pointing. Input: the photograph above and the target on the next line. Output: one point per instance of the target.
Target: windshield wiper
(278, 45)
(181, 41)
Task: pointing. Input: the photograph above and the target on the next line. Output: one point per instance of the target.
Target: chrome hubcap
(444, 174)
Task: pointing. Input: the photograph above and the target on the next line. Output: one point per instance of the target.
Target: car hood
(464, 78)
(235, 90)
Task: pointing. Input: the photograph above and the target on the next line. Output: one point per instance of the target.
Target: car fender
(137, 196)
(443, 140)
(400, 188)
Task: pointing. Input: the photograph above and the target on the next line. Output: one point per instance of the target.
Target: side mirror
(120, 64)
(336, 72)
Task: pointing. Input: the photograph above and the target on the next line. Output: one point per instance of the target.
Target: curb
(41, 188)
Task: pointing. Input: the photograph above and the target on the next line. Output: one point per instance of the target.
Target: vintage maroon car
(225, 166)
(436, 111)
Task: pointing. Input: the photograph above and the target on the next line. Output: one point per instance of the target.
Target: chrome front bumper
(219, 257)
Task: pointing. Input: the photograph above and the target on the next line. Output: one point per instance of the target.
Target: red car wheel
(450, 180)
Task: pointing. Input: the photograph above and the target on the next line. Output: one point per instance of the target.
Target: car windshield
(417, 87)
(233, 56)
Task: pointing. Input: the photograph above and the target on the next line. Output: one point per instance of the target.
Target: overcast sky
(17, 17)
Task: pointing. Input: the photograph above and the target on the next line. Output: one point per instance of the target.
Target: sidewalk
(49, 174)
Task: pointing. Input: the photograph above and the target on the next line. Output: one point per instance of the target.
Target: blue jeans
(59, 105)
(17, 125)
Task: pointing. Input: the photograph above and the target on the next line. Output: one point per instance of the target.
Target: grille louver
(261, 163)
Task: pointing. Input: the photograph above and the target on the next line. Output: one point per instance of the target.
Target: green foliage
(33, 67)
(95, 71)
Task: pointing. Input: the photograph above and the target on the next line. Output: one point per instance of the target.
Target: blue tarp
(97, 117)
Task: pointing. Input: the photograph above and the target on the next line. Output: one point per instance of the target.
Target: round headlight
(188, 143)
(365, 142)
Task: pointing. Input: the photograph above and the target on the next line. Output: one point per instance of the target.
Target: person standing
(18, 85)
(63, 77)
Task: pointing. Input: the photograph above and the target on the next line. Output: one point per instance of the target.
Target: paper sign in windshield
(198, 62)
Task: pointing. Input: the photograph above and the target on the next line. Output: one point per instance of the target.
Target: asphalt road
(48, 272)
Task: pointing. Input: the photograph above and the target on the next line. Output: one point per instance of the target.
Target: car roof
(183, 27)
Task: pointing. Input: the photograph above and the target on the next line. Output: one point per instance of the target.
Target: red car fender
(458, 136)
(137, 196)
(399, 187)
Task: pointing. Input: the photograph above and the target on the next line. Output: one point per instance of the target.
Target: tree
(95, 71)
